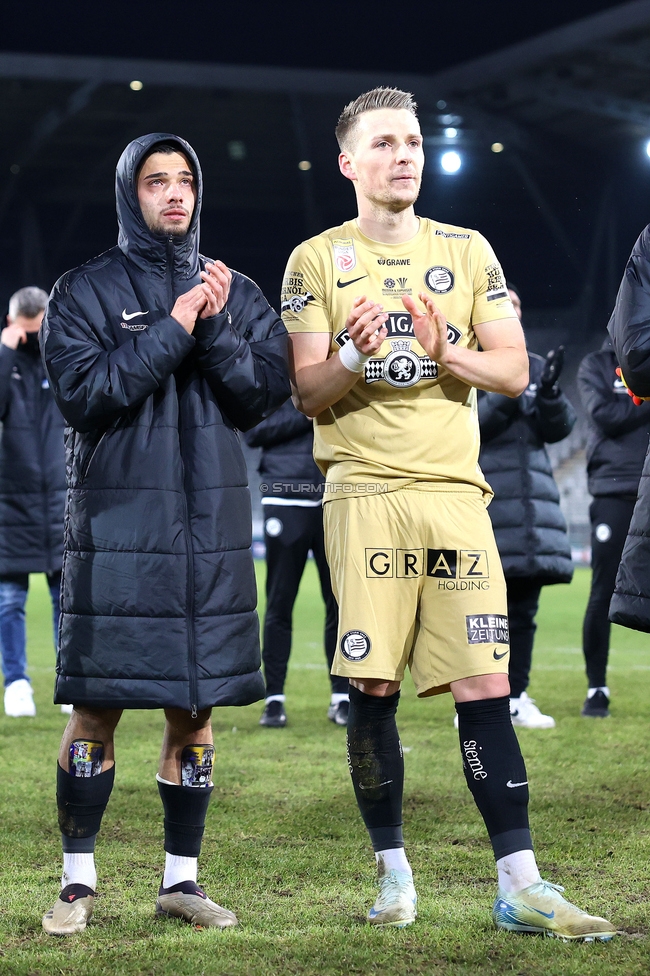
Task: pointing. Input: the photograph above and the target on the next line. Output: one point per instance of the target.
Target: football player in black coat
(156, 355)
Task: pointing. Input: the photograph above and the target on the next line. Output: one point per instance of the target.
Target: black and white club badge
(603, 532)
(402, 368)
(355, 645)
(273, 527)
(439, 280)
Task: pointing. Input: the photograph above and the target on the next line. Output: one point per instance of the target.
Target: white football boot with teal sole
(541, 908)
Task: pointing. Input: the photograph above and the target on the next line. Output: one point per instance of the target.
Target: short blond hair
(370, 101)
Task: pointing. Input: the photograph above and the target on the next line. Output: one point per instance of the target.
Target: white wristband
(351, 358)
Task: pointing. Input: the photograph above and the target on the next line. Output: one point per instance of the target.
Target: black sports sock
(377, 766)
(495, 772)
(81, 802)
(185, 810)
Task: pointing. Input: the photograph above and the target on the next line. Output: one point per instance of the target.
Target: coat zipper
(89, 460)
(191, 648)
(41, 435)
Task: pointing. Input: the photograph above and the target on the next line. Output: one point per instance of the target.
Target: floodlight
(451, 162)
(451, 133)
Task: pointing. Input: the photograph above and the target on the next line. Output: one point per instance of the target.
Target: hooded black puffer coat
(32, 465)
(629, 328)
(528, 524)
(158, 592)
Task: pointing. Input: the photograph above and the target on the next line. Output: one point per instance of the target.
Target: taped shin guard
(81, 802)
(185, 809)
(495, 772)
(377, 766)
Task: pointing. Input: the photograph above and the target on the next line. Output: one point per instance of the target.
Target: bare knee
(377, 687)
(180, 724)
(480, 686)
(96, 720)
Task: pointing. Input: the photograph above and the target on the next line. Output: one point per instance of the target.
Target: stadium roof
(570, 107)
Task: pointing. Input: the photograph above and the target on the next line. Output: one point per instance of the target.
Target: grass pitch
(285, 848)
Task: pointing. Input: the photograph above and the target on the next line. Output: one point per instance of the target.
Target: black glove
(548, 384)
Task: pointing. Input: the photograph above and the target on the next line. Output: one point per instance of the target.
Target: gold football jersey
(406, 420)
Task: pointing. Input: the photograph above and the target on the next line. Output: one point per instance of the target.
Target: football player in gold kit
(386, 314)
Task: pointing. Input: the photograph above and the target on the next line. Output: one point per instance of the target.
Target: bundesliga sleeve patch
(487, 629)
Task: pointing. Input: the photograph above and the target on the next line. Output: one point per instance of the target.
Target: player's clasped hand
(429, 327)
(206, 299)
(216, 288)
(188, 306)
(365, 325)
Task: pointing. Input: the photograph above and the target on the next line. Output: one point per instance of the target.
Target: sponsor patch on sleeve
(295, 296)
(487, 628)
(496, 288)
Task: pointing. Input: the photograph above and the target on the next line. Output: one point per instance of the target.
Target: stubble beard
(387, 203)
(172, 230)
(158, 226)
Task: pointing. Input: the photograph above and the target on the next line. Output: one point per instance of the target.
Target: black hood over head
(148, 251)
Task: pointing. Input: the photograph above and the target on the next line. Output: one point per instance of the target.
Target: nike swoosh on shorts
(512, 785)
(497, 657)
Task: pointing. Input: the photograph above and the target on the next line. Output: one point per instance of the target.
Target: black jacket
(629, 328)
(287, 465)
(32, 465)
(158, 590)
(618, 430)
(528, 524)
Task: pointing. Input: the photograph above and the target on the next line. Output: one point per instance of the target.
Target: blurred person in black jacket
(32, 489)
(618, 441)
(293, 524)
(629, 328)
(528, 524)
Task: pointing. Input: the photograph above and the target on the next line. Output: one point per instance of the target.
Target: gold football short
(418, 580)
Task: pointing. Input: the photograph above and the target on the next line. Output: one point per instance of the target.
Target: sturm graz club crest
(439, 279)
(402, 367)
(355, 645)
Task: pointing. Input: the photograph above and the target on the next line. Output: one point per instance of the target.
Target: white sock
(592, 691)
(338, 696)
(179, 869)
(79, 869)
(394, 860)
(517, 871)
(271, 698)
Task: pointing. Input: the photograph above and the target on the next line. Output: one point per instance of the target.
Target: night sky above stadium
(422, 37)
(255, 208)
